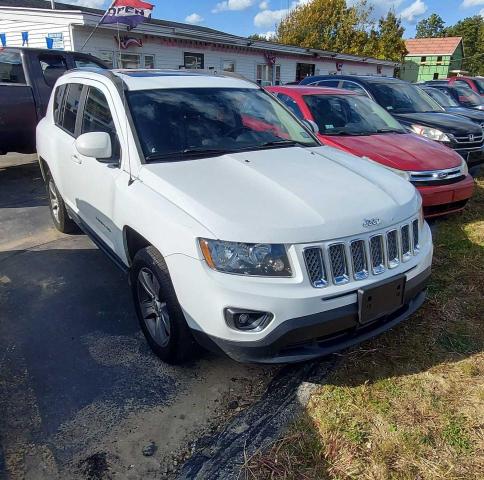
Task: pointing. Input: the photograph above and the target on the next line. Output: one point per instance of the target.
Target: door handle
(76, 158)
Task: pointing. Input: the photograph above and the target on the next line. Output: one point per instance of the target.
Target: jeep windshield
(350, 115)
(404, 97)
(196, 122)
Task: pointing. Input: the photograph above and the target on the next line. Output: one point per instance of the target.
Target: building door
(304, 70)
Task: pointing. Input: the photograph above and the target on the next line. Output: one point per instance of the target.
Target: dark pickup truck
(27, 76)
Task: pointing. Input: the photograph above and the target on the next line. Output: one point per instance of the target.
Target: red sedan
(356, 124)
(474, 83)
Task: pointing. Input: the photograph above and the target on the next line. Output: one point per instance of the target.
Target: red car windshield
(350, 115)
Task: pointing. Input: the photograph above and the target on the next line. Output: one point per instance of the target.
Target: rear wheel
(159, 313)
(57, 207)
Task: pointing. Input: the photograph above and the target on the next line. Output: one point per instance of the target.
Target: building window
(423, 59)
(194, 60)
(149, 62)
(107, 57)
(436, 76)
(439, 60)
(265, 74)
(129, 60)
(228, 66)
(304, 70)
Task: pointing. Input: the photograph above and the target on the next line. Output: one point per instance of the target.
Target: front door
(95, 186)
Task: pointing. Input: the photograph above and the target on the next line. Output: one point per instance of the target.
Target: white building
(164, 44)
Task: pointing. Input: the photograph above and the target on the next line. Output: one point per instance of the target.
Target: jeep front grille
(392, 249)
(406, 248)
(356, 259)
(416, 245)
(315, 266)
(339, 265)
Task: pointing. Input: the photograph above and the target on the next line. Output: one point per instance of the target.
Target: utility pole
(52, 4)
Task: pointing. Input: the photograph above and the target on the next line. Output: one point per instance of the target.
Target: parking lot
(81, 394)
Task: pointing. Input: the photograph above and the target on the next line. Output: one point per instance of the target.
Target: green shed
(432, 58)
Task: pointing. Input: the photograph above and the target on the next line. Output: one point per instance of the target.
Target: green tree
(327, 25)
(471, 29)
(257, 37)
(390, 35)
(335, 25)
(430, 27)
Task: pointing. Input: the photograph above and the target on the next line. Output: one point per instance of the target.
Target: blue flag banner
(3, 39)
(25, 38)
(128, 12)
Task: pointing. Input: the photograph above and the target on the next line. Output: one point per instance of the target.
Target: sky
(245, 17)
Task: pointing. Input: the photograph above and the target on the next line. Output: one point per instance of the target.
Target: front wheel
(159, 313)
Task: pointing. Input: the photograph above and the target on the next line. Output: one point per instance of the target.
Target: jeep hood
(288, 195)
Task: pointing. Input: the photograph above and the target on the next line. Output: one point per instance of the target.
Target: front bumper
(444, 199)
(317, 335)
(204, 294)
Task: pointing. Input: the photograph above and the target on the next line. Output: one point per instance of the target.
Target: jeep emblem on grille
(371, 222)
(471, 137)
(442, 174)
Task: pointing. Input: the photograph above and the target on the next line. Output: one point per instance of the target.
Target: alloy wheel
(153, 310)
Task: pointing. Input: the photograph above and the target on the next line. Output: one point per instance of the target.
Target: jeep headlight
(464, 169)
(432, 133)
(254, 259)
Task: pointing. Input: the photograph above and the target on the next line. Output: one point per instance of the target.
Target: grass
(408, 404)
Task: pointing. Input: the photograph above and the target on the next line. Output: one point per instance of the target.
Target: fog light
(252, 320)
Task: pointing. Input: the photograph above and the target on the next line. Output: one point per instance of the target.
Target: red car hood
(402, 151)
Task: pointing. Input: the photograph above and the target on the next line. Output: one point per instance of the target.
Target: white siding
(38, 26)
(171, 55)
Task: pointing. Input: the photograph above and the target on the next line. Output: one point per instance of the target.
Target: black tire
(179, 344)
(57, 207)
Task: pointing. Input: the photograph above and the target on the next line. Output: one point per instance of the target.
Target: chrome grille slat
(392, 249)
(377, 254)
(415, 236)
(339, 265)
(406, 248)
(358, 258)
(313, 258)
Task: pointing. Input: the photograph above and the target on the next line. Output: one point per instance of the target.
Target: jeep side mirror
(96, 145)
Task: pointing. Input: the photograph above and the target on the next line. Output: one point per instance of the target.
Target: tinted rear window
(11, 68)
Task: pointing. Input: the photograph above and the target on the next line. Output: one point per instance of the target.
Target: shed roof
(432, 46)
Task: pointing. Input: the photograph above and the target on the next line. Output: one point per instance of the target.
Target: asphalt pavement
(81, 394)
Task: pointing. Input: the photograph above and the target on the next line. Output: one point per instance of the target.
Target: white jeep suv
(237, 227)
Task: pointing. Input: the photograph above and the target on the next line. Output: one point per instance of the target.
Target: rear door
(18, 117)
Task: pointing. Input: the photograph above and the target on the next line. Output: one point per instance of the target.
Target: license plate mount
(380, 300)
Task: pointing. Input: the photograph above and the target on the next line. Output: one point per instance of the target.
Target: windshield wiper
(280, 143)
(389, 130)
(188, 152)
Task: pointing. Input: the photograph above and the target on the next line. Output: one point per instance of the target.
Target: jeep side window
(97, 117)
(291, 104)
(70, 107)
(58, 98)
